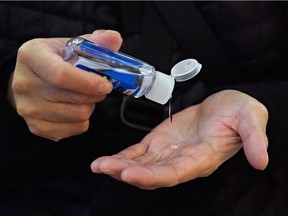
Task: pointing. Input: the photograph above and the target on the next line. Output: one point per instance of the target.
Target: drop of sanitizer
(170, 109)
(182, 71)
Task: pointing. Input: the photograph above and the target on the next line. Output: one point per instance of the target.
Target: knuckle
(254, 106)
(25, 111)
(22, 84)
(91, 84)
(83, 127)
(56, 75)
(36, 128)
(24, 51)
(262, 109)
(54, 70)
(84, 112)
(45, 133)
(19, 86)
(77, 98)
(45, 130)
(100, 98)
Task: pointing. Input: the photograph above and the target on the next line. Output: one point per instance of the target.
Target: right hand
(55, 98)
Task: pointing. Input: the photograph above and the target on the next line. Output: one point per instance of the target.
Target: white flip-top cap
(162, 88)
(186, 70)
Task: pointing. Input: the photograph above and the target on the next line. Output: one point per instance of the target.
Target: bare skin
(55, 98)
(199, 140)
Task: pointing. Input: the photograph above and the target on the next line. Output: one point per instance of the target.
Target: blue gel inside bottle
(128, 75)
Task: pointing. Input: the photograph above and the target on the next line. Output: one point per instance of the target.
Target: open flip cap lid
(186, 69)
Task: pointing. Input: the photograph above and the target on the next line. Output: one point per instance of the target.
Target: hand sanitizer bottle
(128, 75)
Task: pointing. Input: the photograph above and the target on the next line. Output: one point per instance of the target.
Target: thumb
(252, 130)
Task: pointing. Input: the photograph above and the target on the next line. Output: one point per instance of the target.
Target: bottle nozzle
(162, 88)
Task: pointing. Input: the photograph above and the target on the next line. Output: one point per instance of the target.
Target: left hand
(195, 144)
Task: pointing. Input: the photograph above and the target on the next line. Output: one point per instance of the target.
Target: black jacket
(241, 45)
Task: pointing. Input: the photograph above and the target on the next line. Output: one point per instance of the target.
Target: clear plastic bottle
(128, 75)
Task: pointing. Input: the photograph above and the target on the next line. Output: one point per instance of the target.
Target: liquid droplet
(170, 109)
(174, 146)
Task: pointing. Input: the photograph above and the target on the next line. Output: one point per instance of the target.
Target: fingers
(54, 97)
(255, 147)
(42, 57)
(193, 161)
(39, 56)
(28, 85)
(187, 163)
(248, 118)
(150, 177)
(55, 112)
(110, 165)
(114, 164)
(142, 176)
(137, 150)
(56, 131)
(108, 38)
(252, 129)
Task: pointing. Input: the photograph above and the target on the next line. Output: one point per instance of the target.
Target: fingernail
(104, 31)
(99, 31)
(112, 32)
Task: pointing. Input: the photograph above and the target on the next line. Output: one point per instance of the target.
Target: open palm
(195, 144)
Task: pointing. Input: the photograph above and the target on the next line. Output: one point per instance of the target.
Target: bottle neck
(162, 88)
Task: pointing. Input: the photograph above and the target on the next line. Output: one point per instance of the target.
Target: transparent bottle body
(128, 75)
